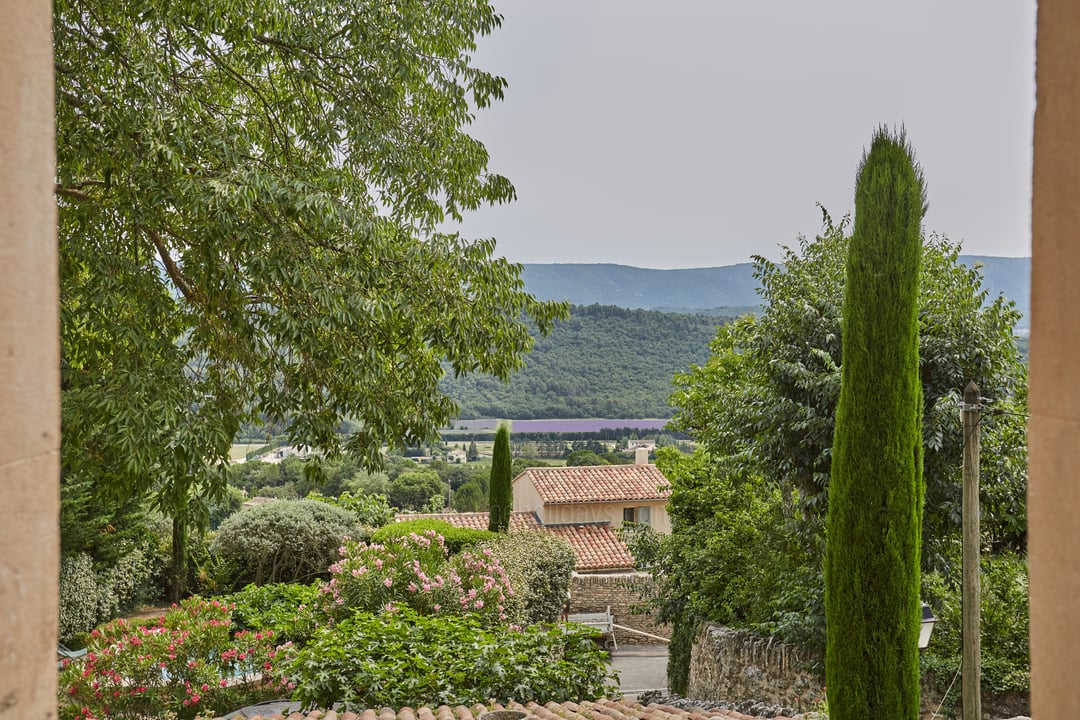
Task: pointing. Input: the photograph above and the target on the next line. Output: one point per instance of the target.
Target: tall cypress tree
(501, 494)
(874, 517)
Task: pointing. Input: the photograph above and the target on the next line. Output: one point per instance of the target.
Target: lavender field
(575, 425)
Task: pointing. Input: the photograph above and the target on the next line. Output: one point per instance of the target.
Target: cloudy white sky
(694, 133)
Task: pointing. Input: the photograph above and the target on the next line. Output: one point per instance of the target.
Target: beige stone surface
(29, 365)
(1054, 437)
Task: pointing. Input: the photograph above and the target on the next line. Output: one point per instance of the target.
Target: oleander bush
(282, 541)
(417, 571)
(185, 663)
(403, 658)
(455, 538)
(539, 566)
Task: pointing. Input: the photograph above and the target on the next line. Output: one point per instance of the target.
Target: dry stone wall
(736, 666)
(624, 593)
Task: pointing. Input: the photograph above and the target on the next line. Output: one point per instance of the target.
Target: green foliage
(404, 659)
(1005, 660)
(372, 511)
(683, 631)
(500, 487)
(765, 402)
(413, 489)
(584, 457)
(291, 611)
(416, 571)
(876, 488)
(89, 597)
(282, 541)
(180, 664)
(470, 497)
(538, 565)
(604, 361)
(457, 539)
(248, 202)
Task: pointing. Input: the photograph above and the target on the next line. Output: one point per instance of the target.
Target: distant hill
(604, 362)
(725, 290)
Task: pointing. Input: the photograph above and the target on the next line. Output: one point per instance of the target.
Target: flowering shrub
(539, 566)
(186, 663)
(404, 658)
(416, 571)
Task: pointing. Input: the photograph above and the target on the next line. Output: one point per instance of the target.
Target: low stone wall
(735, 666)
(623, 592)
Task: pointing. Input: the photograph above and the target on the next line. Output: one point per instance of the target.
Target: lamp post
(927, 626)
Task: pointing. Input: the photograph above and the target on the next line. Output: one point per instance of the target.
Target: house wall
(526, 498)
(605, 512)
(29, 365)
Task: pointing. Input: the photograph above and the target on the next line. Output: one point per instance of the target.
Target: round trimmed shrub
(538, 565)
(456, 538)
(282, 541)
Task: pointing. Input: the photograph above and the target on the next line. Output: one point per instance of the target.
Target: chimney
(641, 456)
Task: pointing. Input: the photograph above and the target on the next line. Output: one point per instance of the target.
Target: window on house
(628, 515)
(636, 515)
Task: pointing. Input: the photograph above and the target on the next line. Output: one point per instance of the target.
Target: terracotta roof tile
(475, 520)
(597, 483)
(596, 546)
(586, 710)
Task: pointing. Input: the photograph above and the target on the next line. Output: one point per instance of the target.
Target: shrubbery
(539, 566)
(402, 658)
(293, 612)
(371, 509)
(1005, 661)
(416, 571)
(88, 597)
(182, 663)
(456, 538)
(282, 541)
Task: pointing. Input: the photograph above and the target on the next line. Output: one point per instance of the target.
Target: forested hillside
(603, 362)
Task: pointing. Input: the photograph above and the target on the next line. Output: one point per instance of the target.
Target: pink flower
(412, 587)
(479, 604)
(388, 582)
(436, 607)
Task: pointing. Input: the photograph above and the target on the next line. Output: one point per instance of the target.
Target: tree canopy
(765, 401)
(748, 507)
(249, 196)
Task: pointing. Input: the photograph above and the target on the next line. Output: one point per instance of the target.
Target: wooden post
(970, 691)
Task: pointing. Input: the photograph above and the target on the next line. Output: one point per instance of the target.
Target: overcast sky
(694, 133)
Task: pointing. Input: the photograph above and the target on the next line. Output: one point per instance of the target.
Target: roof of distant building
(475, 520)
(597, 483)
(596, 546)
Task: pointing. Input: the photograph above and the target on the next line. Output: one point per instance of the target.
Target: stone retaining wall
(734, 666)
(623, 592)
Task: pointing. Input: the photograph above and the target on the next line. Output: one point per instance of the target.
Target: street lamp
(927, 626)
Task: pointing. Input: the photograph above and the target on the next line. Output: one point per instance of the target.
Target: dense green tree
(472, 454)
(762, 412)
(248, 202)
(500, 489)
(413, 490)
(470, 497)
(765, 402)
(876, 487)
(585, 457)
